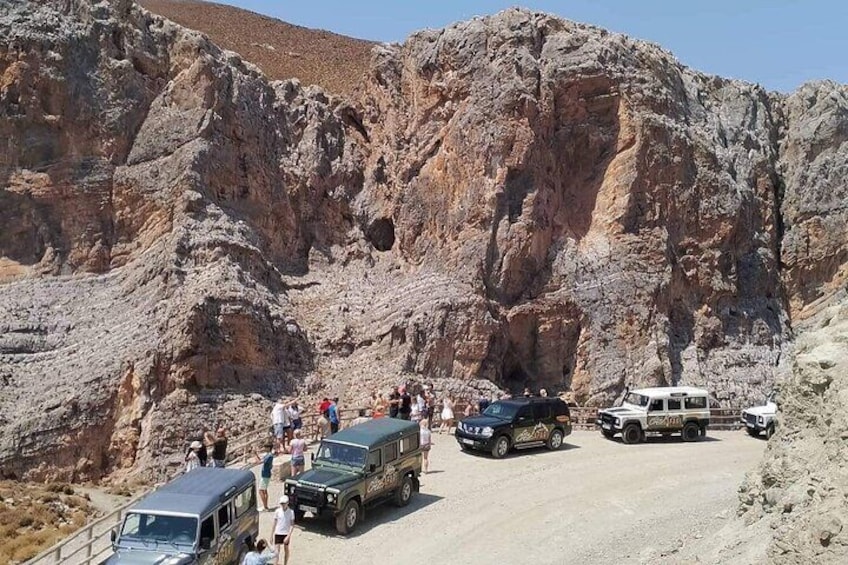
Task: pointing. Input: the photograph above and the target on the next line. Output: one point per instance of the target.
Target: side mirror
(205, 543)
(113, 536)
(312, 456)
(372, 467)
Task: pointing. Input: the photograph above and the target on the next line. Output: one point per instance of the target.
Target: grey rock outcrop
(517, 200)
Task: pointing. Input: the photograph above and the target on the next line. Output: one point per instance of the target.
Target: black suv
(518, 423)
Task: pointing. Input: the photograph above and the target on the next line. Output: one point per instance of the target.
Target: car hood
(325, 477)
(621, 411)
(769, 409)
(483, 421)
(145, 557)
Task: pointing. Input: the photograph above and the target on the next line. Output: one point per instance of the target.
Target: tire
(769, 431)
(240, 557)
(501, 448)
(404, 492)
(631, 434)
(555, 439)
(752, 432)
(691, 431)
(348, 518)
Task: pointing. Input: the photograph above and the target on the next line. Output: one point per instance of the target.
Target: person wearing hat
(192, 459)
(283, 529)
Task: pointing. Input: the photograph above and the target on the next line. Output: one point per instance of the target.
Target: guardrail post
(89, 537)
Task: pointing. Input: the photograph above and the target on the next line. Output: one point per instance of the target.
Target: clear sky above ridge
(779, 44)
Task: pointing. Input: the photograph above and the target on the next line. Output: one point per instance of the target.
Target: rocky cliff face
(516, 200)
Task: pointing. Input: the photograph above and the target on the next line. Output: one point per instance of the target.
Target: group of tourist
(208, 451)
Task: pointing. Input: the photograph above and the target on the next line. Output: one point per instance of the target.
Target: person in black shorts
(283, 528)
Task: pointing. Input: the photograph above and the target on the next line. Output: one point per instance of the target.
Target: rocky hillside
(517, 200)
(283, 51)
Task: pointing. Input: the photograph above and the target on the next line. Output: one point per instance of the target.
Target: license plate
(466, 441)
(749, 424)
(606, 426)
(306, 508)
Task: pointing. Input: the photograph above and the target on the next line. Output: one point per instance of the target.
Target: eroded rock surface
(517, 200)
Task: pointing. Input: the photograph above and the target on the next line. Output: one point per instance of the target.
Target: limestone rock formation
(512, 201)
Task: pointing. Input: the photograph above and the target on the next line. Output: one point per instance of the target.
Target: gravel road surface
(595, 501)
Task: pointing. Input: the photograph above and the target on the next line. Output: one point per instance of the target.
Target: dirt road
(596, 501)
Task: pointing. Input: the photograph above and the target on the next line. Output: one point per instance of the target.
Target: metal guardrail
(91, 543)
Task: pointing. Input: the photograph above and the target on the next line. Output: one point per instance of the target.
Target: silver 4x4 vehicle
(662, 410)
(357, 467)
(758, 419)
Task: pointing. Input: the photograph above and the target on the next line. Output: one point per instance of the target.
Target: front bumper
(474, 441)
(307, 500)
(607, 423)
(751, 421)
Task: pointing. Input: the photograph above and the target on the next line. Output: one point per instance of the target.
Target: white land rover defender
(758, 419)
(662, 410)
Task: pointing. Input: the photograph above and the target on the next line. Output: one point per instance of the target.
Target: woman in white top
(426, 443)
(447, 415)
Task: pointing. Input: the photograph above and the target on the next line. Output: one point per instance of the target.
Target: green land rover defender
(357, 467)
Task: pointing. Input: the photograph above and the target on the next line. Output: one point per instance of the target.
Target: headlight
(618, 421)
(331, 497)
(487, 432)
(760, 419)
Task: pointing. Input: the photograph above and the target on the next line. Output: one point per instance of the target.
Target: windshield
(501, 410)
(341, 454)
(154, 528)
(637, 399)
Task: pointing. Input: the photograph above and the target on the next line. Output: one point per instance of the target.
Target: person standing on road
(447, 414)
(405, 408)
(298, 453)
(219, 449)
(294, 416)
(323, 419)
(283, 528)
(192, 459)
(333, 415)
(278, 420)
(426, 441)
(267, 460)
(394, 403)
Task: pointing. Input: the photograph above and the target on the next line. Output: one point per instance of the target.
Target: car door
(527, 429)
(657, 417)
(375, 483)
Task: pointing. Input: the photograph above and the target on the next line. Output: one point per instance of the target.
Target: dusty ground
(597, 502)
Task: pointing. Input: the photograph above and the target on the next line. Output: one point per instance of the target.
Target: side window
(656, 405)
(674, 404)
(244, 501)
(224, 517)
(391, 451)
(375, 459)
(525, 412)
(695, 403)
(207, 532)
(541, 411)
(410, 443)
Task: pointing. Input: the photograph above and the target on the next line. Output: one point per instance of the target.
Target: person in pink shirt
(298, 450)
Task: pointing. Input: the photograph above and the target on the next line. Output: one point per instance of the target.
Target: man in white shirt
(280, 419)
(283, 529)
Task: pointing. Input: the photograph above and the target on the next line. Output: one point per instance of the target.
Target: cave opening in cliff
(514, 374)
(381, 234)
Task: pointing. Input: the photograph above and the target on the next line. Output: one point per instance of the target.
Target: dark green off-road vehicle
(357, 467)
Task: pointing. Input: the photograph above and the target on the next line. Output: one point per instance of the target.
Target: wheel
(631, 433)
(555, 439)
(240, 558)
(608, 433)
(690, 432)
(769, 431)
(501, 447)
(752, 432)
(404, 493)
(347, 519)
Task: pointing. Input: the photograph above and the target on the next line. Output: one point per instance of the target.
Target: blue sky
(779, 43)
